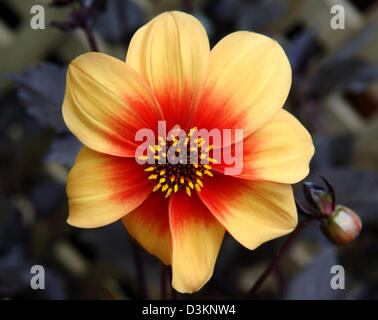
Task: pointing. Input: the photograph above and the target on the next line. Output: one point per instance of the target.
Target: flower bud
(342, 227)
(319, 198)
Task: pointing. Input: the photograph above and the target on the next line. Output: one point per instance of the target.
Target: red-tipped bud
(319, 198)
(342, 227)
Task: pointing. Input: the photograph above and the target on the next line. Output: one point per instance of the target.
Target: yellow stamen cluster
(182, 175)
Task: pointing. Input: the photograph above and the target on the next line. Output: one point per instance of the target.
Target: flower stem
(88, 29)
(90, 37)
(273, 264)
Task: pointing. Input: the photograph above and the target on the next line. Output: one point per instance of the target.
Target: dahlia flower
(180, 212)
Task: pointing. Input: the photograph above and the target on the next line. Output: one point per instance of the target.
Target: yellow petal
(102, 189)
(279, 151)
(171, 52)
(106, 102)
(196, 239)
(148, 224)
(248, 82)
(253, 212)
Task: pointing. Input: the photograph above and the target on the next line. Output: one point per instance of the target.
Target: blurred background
(334, 94)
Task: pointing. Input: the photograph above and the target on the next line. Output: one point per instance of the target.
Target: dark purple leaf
(12, 229)
(255, 15)
(46, 195)
(14, 272)
(41, 89)
(355, 44)
(350, 74)
(64, 149)
(119, 21)
(299, 48)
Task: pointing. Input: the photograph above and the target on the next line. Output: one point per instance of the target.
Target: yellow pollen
(149, 169)
(182, 180)
(199, 173)
(212, 160)
(198, 188)
(165, 187)
(191, 131)
(156, 188)
(161, 141)
(168, 192)
(208, 173)
(162, 172)
(173, 178)
(162, 180)
(195, 165)
(206, 166)
(176, 187)
(199, 182)
(190, 183)
(188, 191)
(152, 176)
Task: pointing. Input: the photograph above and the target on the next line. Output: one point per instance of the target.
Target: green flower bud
(343, 226)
